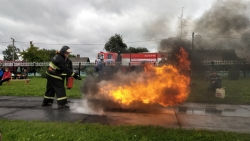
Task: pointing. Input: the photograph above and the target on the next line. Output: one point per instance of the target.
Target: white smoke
(83, 107)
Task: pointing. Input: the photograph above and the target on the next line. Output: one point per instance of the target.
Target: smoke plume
(225, 26)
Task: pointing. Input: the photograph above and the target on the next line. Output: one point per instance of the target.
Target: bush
(42, 71)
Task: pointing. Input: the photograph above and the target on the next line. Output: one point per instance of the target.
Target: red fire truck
(129, 59)
(108, 58)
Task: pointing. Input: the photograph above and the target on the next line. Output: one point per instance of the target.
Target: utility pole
(181, 23)
(13, 47)
(192, 47)
(31, 43)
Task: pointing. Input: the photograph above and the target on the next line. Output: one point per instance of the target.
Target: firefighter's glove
(76, 76)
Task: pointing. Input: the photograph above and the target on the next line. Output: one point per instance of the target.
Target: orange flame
(166, 85)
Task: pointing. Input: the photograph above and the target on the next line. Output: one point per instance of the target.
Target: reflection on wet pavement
(240, 111)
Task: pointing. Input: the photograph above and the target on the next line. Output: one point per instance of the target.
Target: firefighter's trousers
(55, 86)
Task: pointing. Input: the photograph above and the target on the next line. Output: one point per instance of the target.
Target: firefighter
(57, 72)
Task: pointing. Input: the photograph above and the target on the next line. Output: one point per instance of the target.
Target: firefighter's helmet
(65, 49)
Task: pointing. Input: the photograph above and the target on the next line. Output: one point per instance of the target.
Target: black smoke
(225, 26)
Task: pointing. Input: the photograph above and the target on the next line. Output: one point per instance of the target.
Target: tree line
(35, 54)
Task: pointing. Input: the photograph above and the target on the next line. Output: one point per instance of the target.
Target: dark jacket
(59, 66)
(69, 64)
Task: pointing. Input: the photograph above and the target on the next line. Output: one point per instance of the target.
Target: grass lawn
(58, 131)
(36, 87)
(237, 92)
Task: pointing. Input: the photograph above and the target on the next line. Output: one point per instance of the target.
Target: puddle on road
(239, 112)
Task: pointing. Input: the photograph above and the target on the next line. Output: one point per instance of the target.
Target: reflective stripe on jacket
(58, 67)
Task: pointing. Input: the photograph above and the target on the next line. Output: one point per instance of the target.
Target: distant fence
(206, 62)
(33, 67)
(40, 64)
(224, 62)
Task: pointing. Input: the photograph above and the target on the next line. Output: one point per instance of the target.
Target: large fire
(166, 85)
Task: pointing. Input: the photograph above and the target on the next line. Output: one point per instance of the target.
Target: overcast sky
(85, 25)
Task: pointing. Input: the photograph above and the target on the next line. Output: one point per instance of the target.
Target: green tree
(115, 44)
(34, 54)
(8, 53)
(136, 50)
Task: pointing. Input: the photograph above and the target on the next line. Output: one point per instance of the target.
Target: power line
(144, 41)
(61, 43)
(70, 43)
(5, 42)
(20, 41)
(137, 41)
(221, 37)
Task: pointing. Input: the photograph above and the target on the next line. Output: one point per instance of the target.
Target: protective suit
(57, 72)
